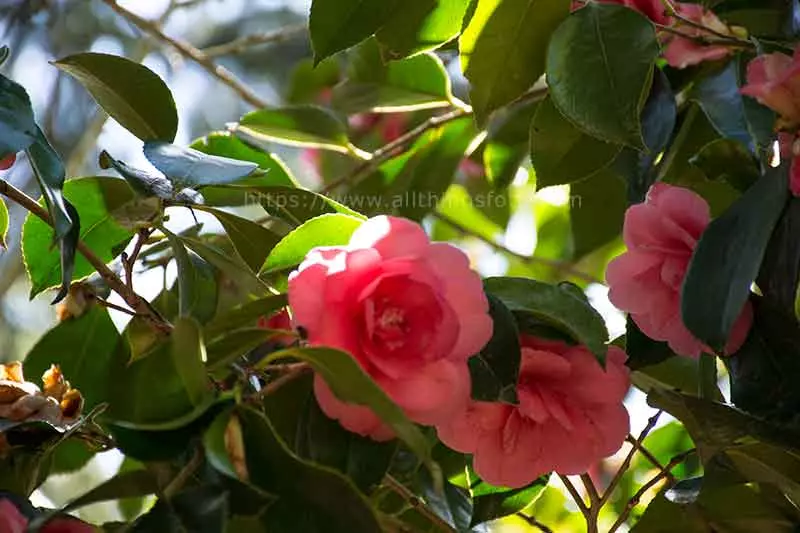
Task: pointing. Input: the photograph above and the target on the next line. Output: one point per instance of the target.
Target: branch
(647, 454)
(190, 52)
(535, 523)
(414, 501)
(561, 266)
(293, 372)
(257, 39)
(575, 495)
(634, 501)
(136, 302)
(591, 490)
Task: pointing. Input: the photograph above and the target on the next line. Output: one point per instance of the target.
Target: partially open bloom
(409, 311)
(12, 521)
(774, 80)
(570, 415)
(279, 321)
(661, 235)
(680, 51)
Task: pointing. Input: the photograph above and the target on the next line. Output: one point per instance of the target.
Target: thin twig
(416, 503)
(292, 372)
(575, 494)
(241, 44)
(190, 52)
(136, 302)
(535, 523)
(591, 490)
(115, 307)
(180, 480)
(647, 454)
(561, 266)
(395, 147)
(128, 261)
(634, 501)
(651, 423)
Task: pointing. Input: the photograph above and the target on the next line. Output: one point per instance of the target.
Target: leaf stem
(136, 302)
(535, 523)
(292, 372)
(190, 52)
(242, 44)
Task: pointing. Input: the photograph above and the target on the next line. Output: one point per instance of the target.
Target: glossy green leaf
(729, 160)
(600, 68)
(719, 97)
(245, 315)
(350, 383)
(727, 259)
(308, 81)
(96, 199)
(189, 356)
(557, 305)
(491, 503)
(84, 348)
(230, 264)
(149, 184)
(503, 49)
(253, 242)
(507, 143)
(495, 370)
(200, 509)
(190, 167)
(641, 349)
(274, 468)
(295, 206)
(297, 126)
(227, 349)
(561, 153)
(197, 284)
(324, 230)
(596, 211)
(421, 25)
(339, 24)
(419, 82)
(17, 127)
(131, 93)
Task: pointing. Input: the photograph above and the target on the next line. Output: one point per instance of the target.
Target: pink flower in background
(774, 80)
(12, 521)
(570, 415)
(681, 52)
(411, 312)
(652, 9)
(645, 281)
(789, 146)
(278, 321)
(8, 161)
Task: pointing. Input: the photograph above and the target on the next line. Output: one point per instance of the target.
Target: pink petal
(390, 236)
(356, 418)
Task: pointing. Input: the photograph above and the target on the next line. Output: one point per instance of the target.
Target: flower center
(392, 326)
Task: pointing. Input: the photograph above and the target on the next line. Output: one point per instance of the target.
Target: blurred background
(531, 230)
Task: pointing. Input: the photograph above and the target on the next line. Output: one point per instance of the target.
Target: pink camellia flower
(652, 9)
(12, 521)
(411, 312)
(645, 281)
(789, 146)
(774, 80)
(570, 415)
(279, 321)
(681, 52)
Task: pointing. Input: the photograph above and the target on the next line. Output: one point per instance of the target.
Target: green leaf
(123, 485)
(642, 350)
(596, 211)
(561, 153)
(495, 370)
(728, 160)
(190, 167)
(243, 316)
(491, 503)
(200, 509)
(339, 24)
(308, 82)
(457, 205)
(131, 93)
(297, 126)
(149, 184)
(84, 348)
(17, 127)
(3, 224)
(600, 68)
(96, 199)
(274, 468)
(226, 349)
(189, 355)
(295, 206)
(503, 49)
(556, 305)
(675, 373)
(324, 230)
(507, 143)
(727, 259)
(197, 284)
(421, 25)
(70, 456)
(231, 265)
(253, 242)
(350, 383)
(719, 97)
(420, 82)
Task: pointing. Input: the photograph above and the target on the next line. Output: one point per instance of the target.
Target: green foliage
(297, 126)
(421, 26)
(495, 370)
(336, 25)
(189, 167)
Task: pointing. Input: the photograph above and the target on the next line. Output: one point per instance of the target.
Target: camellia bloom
(774, 80)
(645, 281)
(570, 415)
(411, 312)
(12, 521)
(278, 321)
(680, 51)
(789, 146)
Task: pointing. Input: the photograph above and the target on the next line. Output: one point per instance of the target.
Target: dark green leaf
(243, 316)
(131, 93)
(253, 242)
(274, 468)
(596, 211)
(499, 502)
(70, 456)
(84, 349)
(495, 370)
(124, 485)
(421, 25)
(297, 126)
(231, 265)
(729, 160)
(419, 82)
(504, 47)
(507, 143)
(561, 153)
(227, 349)
(188, 354)
(308, 82)
(727, 259)
(678, 373)
(96, 199)
(197, 284)
(190, 167)
(339, 24)
(17, 127)
(555, 305)
(600, 68)
(642, 350)
(719, 97)
(199, 509)
(324, 230)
